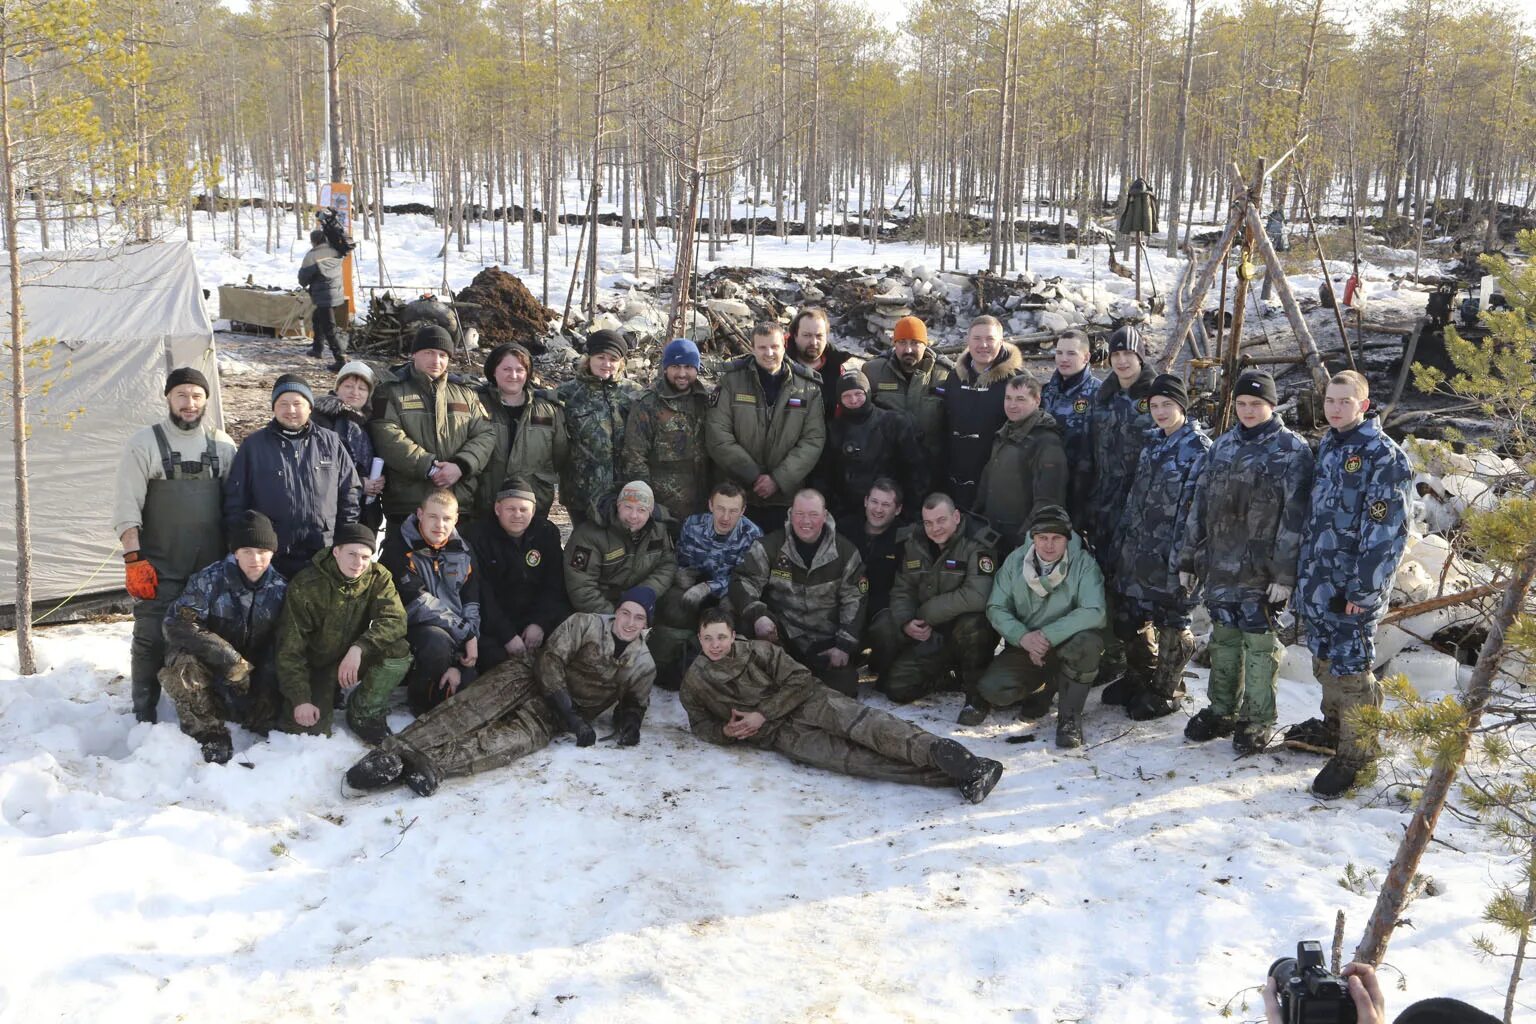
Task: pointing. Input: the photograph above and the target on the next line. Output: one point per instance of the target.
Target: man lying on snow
(589, 664)
(753, 692)
(220, 662)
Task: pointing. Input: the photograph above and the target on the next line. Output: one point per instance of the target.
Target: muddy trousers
(501, 718)
(839, 734)
(965, 648)
(205, 701)
(1343, 696)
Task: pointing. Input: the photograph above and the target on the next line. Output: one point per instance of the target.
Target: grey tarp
(103, 327)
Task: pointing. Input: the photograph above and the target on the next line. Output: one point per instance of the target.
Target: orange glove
(143, 581)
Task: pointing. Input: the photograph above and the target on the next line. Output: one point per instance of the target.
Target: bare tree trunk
(995, 248)
(1421, 827)
(1528, 910)
(1176, 189)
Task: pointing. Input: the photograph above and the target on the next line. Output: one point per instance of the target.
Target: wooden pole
(1190, 310)
(1288, 300)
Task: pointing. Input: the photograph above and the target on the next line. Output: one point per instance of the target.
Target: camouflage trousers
(205, 701)
(1013, 675)
(1343, 696)
(1137, 622)
(489, 725)
(1349, 647)
(964, 646)
(839, 734)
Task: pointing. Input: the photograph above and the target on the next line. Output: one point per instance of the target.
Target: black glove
(574, 723)
(626, 724)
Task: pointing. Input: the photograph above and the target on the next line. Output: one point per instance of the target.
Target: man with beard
(664, 435)
(766, 428)
(590, 664)
(753, 693)
(296, 473)
(810, 345)
(973, 406)
(905, 380)
(169, 516)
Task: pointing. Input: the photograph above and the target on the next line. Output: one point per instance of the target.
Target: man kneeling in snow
(219, 663)
(590, 663)
(753, 692)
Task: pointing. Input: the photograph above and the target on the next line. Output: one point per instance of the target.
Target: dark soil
(506, 311)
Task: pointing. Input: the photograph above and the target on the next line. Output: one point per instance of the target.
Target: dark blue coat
(221, 616)
(304, 482)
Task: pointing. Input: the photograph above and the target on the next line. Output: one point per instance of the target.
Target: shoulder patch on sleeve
(986, 565)
(580, 557)
(1378, 510)
(863, 584)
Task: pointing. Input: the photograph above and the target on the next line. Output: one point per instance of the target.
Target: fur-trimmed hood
(1008, 362)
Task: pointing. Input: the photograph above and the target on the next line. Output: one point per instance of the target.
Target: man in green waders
(169, 517)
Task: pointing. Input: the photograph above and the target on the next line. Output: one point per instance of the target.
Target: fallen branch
(1436, 603)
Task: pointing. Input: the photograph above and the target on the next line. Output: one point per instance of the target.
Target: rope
(72, 595)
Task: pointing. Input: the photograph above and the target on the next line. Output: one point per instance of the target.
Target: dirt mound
(505, 311)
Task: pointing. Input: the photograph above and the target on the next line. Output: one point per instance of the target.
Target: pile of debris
(386, 330)
(503, 310)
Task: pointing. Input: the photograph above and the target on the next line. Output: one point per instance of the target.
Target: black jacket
(882, 558)
(522, 579)
(865, 445)
(973, 413)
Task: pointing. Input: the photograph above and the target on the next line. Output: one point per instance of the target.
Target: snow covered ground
(1142, 879)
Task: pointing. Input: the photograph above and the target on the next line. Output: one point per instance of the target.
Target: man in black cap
(522, 582)
(429, 431)
(865, 443)
(1242, 542)
(1144, 554)
(221, 636)
(297, 474)
(169, 516)
(591, 663)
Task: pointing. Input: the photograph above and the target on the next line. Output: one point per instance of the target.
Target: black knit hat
(186, 375)
(1168, 386)
(1257, 384)
(1127, 339)
(252, 530)
(611, 342)
(501, 352)
(641, 595)
(517, 487)
(1444, 1011)
(355, 533)
(854, 380)
(1051, 519)
(432, 336)
(292, 383)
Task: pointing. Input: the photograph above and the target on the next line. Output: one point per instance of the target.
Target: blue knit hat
(643, 596)
(680, 352)
(292, 382)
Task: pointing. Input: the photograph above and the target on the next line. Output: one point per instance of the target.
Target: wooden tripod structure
(1244, 219)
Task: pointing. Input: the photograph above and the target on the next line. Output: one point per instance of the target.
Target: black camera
(1309, 992)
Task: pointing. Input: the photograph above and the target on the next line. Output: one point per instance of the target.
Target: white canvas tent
(103, 328)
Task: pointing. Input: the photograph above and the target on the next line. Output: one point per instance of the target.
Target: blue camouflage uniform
(1243, 534)
(706, 558)
(1354, 537)
(1118, 423)
(1150, 535)
(1071, 402)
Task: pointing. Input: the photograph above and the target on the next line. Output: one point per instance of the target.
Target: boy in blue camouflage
(1352, 542)
(1145, 554)
(1242, 542)
(1068, 397)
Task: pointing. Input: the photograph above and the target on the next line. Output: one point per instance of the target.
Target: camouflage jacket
(579, 657)
(754, 676)
(603, 559)
(1357, 523)
(1117, 428)
(702, 557)
(1150, 534)
(938, 585)
(664, 446)
(419, 421)
(810, 603)
(595, 411)
(1072, 406)
(1246, 517)
(222, 617)
(1028, 470)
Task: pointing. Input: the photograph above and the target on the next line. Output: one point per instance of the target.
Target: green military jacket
(664, 446)
(603, 559)
(913, 396)
(579, 658)
(1027, 471)
(754, 676)
(745, 438)
(938, 585)
(537, 453)
(325, 614)
(595, 411)
(419, 421)
(810, 603)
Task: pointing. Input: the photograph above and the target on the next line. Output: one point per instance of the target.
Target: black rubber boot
(371, 730)
(1251, 738)
(1148, 705)
(1208, 725)
(1037, 704)
(377, 769)
(1336, 778)
(419, 773)
(974, 713)
(982, 782)
(218, 748)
